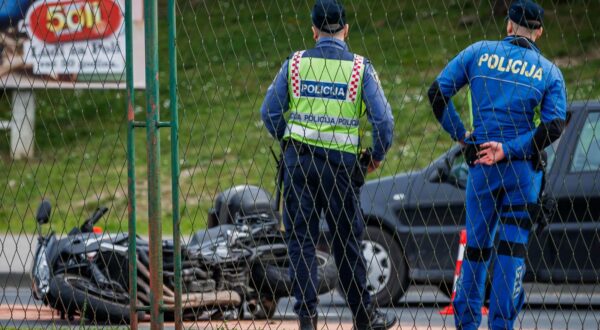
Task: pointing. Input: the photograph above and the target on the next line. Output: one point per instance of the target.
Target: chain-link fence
(84, 164)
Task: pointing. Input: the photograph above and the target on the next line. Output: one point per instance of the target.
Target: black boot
(308, 323)
(375, 320)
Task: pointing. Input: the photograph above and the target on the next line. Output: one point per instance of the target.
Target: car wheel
(387, 272)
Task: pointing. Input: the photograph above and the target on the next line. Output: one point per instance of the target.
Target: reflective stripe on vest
(325, 101)
(323, 119)
(331, 138)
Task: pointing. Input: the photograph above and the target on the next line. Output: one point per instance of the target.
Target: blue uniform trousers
(497, 199)
(315, 185)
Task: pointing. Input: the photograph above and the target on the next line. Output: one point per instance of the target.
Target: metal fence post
(175, 161)
(153, 150)
(131, 206)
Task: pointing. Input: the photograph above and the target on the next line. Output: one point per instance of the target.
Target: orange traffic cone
(449, 310)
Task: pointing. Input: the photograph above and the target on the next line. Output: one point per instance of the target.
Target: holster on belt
(359, 173)
(539, 161)
(470, 151)
(547, 205)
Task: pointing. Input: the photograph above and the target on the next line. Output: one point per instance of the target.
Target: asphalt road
(550, 307)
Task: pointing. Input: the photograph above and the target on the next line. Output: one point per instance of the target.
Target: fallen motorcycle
(226, 270)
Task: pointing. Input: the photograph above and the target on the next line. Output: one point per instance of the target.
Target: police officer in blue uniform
(509, 81)
(323, 92)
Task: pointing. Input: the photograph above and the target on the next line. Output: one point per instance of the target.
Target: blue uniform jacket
(508, 80)
(379, 112)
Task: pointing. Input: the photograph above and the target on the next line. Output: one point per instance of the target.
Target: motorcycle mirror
(42, 215)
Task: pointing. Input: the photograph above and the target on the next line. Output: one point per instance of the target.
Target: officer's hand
(490, 153)
(373, 166)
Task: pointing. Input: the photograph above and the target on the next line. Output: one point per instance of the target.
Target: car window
(460, 170)
(551, 152)
(587, 152)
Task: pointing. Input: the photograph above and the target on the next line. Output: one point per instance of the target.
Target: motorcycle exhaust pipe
(218, 298)
(168, 293)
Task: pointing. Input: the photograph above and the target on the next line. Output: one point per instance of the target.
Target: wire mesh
(66, 142)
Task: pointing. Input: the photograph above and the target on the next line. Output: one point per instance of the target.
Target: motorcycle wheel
(78, 295)
(272, 279)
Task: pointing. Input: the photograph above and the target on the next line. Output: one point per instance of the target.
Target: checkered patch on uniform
(295, 73)
(355, 78)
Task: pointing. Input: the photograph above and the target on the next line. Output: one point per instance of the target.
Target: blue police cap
(329, 16)
(527, 14)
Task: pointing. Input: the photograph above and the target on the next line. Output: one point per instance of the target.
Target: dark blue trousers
(497, 199)
(314, 186)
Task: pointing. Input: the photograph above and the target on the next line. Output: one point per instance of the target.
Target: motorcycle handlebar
(88, 225)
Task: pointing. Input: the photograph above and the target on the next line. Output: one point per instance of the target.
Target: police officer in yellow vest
(313, 107)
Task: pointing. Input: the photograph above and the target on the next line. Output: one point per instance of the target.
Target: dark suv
(413, 219)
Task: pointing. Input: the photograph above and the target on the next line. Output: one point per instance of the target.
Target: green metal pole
(175, 160)
(153, 147)
(131, 164)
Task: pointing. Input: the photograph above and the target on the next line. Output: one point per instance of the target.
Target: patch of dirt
(102, 198)
(571, 61)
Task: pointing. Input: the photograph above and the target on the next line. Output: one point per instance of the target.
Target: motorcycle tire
(72, 300)
(273, 279)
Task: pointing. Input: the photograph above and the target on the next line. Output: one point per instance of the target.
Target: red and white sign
(70, 21)
(76, 37)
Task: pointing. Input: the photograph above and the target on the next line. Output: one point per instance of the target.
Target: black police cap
(329, 16)
(526, 13)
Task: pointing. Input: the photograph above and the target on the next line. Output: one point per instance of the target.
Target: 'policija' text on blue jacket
(508, 79)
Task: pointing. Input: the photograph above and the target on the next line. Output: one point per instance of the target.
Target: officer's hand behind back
(373, 165)
(490, 153)
(366, 160)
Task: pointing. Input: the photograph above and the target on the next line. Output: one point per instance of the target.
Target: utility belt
(359, 171)
(538, 160)
(302, 148)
